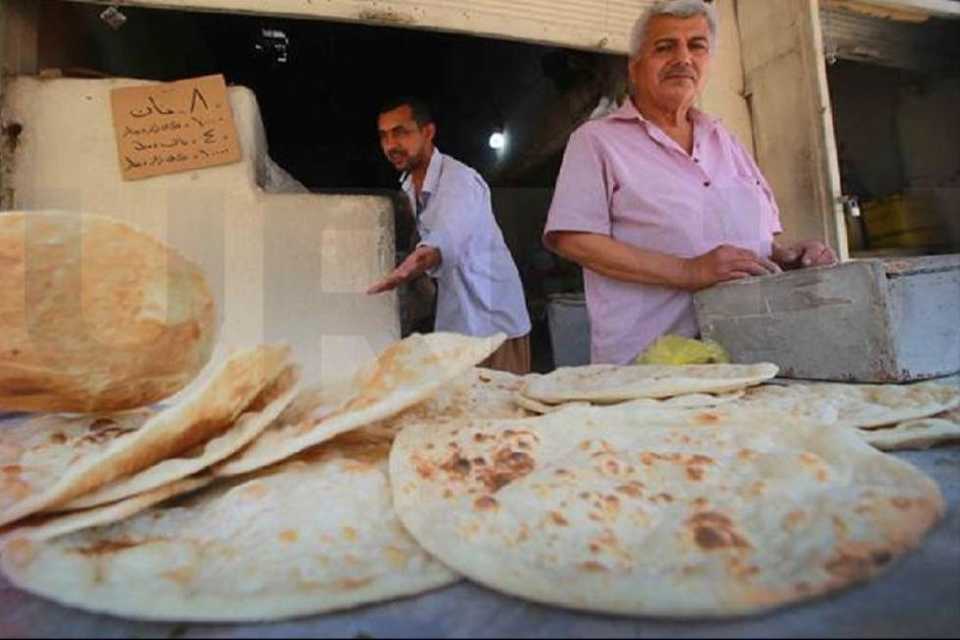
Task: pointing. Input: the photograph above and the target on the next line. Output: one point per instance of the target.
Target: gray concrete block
(862, 321)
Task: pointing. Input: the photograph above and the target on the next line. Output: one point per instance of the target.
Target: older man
(658, 200)
(480, 293)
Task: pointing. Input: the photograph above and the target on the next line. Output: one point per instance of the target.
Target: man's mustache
(680, 71)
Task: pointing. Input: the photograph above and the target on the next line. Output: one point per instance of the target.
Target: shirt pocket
(738, 210)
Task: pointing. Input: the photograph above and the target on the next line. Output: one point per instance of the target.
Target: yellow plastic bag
(671, 349)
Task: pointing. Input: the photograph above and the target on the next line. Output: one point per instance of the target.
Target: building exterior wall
(600, 25)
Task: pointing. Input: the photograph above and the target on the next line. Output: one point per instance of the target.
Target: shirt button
(697, 160)
(707, 183)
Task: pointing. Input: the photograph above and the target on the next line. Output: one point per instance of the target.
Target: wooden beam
(594, 25)
(904, 10)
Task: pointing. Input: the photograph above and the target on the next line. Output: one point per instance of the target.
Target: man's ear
(429, 131)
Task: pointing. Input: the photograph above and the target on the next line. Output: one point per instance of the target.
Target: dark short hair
(419, 108)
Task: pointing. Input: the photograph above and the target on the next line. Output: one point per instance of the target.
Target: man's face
(405, 144)
(671, 66)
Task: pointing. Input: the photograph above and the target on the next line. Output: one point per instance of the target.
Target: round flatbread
(542, 408)
(687, 514)
(406, 373)
(47, 463)
(95, 315)
(251, 423)
(315, 534)
(46, 527)
(916, 434)
(855, 405)
(611, 383)
(479, 393)
(686, 401)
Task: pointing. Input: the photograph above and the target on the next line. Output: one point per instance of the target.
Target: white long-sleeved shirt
(480, 293)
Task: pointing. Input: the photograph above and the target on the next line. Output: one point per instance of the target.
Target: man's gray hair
(677, 9)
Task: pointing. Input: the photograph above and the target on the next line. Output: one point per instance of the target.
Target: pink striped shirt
(623, 177)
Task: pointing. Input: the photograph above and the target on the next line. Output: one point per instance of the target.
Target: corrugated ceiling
(932, 45)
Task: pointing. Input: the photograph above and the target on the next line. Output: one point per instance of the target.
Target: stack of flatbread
(276, 516)
(679, 386)
(888, 416)
(682, 491)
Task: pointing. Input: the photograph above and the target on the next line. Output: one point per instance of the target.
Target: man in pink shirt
(658, 200)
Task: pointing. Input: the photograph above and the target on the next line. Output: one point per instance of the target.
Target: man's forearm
(421, 260)
(620, 261)
(426, 258)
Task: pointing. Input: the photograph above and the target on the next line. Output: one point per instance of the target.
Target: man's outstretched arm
(418, 262)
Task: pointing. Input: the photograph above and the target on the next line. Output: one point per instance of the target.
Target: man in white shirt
(480, 293)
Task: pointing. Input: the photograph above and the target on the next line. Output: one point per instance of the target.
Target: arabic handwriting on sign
(202, 154)
(159, 159)
(196, 99)
(152, 108)
(175, 142)
(173, 129)
(154, 129)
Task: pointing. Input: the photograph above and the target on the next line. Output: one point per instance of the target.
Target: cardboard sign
(174, 127)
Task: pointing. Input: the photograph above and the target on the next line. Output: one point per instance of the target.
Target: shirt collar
(430, 180)
(628, 111)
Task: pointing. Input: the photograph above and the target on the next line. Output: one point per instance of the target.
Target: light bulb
(498, 140)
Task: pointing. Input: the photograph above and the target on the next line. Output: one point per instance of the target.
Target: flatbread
(696, 400)
(541, 408)
(43, 467)
(916, 434)
(248, 426)
(709, 513)
(479, 392)
(311, 535)
(35, 453)
(855, 405)
(686, 401)
(95, 315)
(611, 383)
(406, 373)
(47, 527)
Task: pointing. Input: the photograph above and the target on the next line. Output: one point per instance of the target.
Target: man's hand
(621, 261)
(726, 262)
(419, 261)
(800, 255)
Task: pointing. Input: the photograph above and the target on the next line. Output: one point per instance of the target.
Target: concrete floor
(918, 597)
